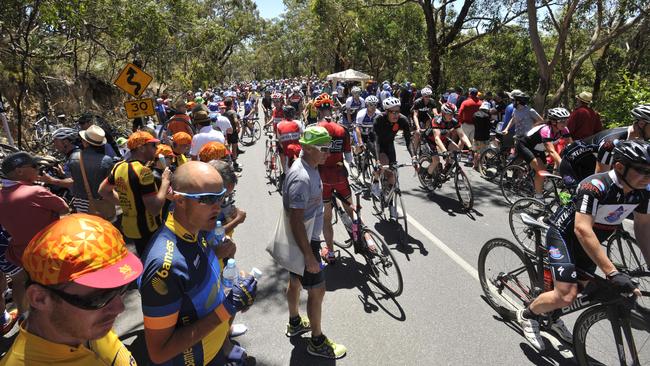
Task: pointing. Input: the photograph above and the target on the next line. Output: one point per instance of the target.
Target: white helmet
(355, 90)
(426, 92)
(391, 102)
(641, 112)
(557, 113)
(296, 89)
(485, 106)
(372, 100)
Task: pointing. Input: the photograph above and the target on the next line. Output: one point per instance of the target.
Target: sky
(270, 8)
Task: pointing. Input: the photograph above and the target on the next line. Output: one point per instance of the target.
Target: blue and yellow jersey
(181, 284)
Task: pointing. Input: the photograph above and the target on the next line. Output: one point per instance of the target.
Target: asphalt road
(441, 317)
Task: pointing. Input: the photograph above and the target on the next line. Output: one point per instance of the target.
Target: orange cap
(165, 150)
(82, 248)
(139, 138)
(182, 138)
(212, 151)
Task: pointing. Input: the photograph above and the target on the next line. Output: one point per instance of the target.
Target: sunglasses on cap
(205, 198)
(94, 302)
(641, 170)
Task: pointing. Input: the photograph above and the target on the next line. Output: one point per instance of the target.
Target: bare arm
(585, 233)
(108, 193)
(154, 202)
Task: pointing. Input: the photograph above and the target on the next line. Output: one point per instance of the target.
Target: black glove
(622, 282)
(242, 295)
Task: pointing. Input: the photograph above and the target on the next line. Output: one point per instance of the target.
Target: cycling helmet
(65, 133)
(372, 100)
(391, 102)
(426, 92)
(288, 111)
(386, 87)
(355, 90)
(448, 108)
(315, 135)
(276, 97)
(296, 89)
(641, 112)
(323, 101)
(632, 152)
(557, 113)
(213, 106)
(485, 106)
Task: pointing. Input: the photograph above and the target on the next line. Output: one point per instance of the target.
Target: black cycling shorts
(565, 253)
(389, 150)
(233, 138)
(312, 280)
(529, 154)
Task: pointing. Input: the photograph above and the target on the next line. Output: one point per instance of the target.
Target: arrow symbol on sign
(129, 79)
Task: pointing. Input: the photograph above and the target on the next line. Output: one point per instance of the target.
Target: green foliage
(623, 94)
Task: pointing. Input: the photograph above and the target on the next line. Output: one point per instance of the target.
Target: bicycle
(382, 266)
(390, 195)
(520, 279)
(495, 159)
(517, 181)
(251, 131)
(364, 163)
(272, 162)
(41, 139)
(453, 169)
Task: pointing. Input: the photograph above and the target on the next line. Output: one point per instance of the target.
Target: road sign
(139, 108)
(133, 80)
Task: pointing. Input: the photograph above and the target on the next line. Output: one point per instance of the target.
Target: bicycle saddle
(530, 221)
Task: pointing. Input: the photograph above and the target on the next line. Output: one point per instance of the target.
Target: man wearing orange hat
(180, 121)
(131, 184)
(74, 299)
(213, 151)
(181, 143)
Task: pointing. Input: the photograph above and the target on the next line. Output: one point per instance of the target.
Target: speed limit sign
(139, 108)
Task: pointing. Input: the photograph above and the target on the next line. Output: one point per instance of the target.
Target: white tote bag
(283, 247)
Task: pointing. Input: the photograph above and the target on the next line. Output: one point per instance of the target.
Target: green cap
(315, 135)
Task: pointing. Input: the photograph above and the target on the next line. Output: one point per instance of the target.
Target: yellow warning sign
(139, 108)
(133, 80)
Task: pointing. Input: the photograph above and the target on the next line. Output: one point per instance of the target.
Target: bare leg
(293, 296)
(315, 298)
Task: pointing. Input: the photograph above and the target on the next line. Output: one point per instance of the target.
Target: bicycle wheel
(624, 252)
(524, 235)
(463, 189)
(383, 266)
(276, 173)
(247, 137)
(425, 182)
(355, 171)
(368, 168)
(488, 163)
(595, 334)
(401, 217)
(257, 131)
(268, 162)
(515, 183)
(507, 277)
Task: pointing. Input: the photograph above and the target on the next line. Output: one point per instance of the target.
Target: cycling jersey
(606, 145)
(333, 173)
(132, 181)
(425, 110)
(267, 102)
(445, 127)
(353, 106)
(385, 132)
(180, 284)
(288, 134)
(539, 135)
(364, 122)
(295, 99)
(179, 123)
(602, 197)
(277, 117)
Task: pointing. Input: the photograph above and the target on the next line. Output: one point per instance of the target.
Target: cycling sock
(318, 339)
(528, 314)
(294, 320)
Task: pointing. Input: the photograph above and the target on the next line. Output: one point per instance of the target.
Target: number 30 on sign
(139, 108)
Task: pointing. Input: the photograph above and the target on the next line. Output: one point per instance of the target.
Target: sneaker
(327, 349)
(237, 329)
(530, 328)
(562, 331)
(13, 318)
(376, 191)
(393, 212)
(296, 330)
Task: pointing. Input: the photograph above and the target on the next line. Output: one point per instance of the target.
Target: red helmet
(323, 101)
(448, 108)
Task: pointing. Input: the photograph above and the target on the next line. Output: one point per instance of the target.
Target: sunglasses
(323, 149)
(205, 198)
(95, 302)
(641, 170)
(392, 112)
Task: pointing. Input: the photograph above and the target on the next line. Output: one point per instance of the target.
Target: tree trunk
(600, 70)
(434, 51)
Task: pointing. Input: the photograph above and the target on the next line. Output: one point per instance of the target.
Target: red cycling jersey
(288, 135)
(333, 173)
(277, 116)
(340, 143)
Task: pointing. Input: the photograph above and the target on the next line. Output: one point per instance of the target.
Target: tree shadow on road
(393, 235)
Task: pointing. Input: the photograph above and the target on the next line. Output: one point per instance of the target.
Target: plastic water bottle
(219, 233)
(256, 273)
(355, 228)
(230, 275)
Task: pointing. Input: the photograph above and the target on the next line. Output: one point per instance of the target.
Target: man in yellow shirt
(78, 269)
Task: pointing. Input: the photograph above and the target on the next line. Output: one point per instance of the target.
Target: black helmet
(288, 111)
(632, 152)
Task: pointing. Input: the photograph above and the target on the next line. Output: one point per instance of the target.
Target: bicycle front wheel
(383, 266)
(523, 233)
(276, 173)
(463, 189)
(598, 339)
(507, 277)
(257, 131)
(401, 216)
(355, 170)
(515, 183)
(488, 163)
(624, 252)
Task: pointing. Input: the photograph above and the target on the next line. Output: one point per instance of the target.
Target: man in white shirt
(206, 133)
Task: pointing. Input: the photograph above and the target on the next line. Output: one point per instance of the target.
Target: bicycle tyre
(424, 162)
(624, 252)
(355, 171)
(276, 173)
(377, 204)
(257, 131)
(488, 163)
(522, 233)
(368, 168)
(468, 201)
(515, 183)
(247, 137)
(526, 268)
(402, 217)
(383, 266)
(268, 165)
(586, 322)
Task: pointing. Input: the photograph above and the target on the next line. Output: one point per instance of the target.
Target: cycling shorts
(529, 154)
(312, 280)
(389, 150)
(233, 138)
(334, 179)
(565, 253)
(576, 172)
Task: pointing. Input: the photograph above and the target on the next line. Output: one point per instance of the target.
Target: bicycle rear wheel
(489, 163)
(463, 189)
(515, 183)
(383, 266)
(507, 277)
(276, 173)
(624, 252)
(595, 337)
(425, 182)
(257, 131)
(524, 234)
(268, 160)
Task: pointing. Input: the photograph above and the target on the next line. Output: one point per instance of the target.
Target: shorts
(480, 145)
(312, 280)
(233, 138)
(469, 130)
(334, 179)
(527, 154)
(6, 267)
(389, 150)
(482, 132)
(565, 255)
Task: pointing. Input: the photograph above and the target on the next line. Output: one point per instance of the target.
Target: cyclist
(180, 121)
(386, 126)
(539, 141)
(523, 116)
(276, 115)
(365, 137)
(602, 202)
(295, 99)
(640, 129)
(423, 111)
(288, 134)
(439, 137)
(267, 105)
(352, 106)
